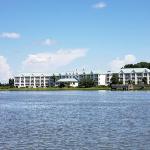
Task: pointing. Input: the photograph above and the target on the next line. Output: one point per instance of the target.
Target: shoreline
(68, 89)
(54, 89)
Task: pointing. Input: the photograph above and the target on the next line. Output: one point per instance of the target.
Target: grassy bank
(53, 89)
(146, 87)
(7, 88)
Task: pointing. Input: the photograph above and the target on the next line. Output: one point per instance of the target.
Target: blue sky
(64, 35)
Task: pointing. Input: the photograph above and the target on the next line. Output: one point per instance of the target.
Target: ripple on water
(75, 120)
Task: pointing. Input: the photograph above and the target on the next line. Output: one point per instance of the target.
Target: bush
(86, 83)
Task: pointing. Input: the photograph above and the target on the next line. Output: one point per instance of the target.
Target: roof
(68, 80)
(32, 74)
(55, 74)
(137, 70)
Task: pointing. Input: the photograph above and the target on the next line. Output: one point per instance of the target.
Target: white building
(32, 80)
(102, 80)
(45, 80)
(135, 75)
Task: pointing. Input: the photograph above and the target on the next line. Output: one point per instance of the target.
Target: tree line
(138, 65)
(9, 84)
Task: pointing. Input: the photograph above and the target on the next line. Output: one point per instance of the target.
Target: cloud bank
(118, 63)
(48, 62)
(10, 35)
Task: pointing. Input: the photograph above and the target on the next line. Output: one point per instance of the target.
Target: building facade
(32, 80)
(133, 75)
(45, 80)
(136, 75)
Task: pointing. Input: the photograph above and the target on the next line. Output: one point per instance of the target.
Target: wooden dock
(125, 87)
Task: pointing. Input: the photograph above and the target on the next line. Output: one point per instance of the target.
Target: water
(75, 120)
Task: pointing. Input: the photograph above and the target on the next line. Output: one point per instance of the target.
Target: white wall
(74, 85)
(102, 79)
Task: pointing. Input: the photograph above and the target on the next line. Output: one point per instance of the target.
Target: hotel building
(135, 75)
(32, 80)
(45, 80)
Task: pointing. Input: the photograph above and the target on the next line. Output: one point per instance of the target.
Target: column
(40, 81)
(124, 78)
(19, 82)
(30, 81)
(24, 81)
(135, 78)
(147, 78)
(34, 83)
(44, 82)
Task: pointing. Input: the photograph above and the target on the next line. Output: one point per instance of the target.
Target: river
(75, 120)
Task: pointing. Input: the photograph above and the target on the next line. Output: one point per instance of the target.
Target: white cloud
(48, 42)
(5, 72)
(118, 63)
(100, 5)
(48, 62)
(10, 35)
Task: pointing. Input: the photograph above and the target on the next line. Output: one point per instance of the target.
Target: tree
(86, 82)
(61, 85)
(138, 65)
(120, 82)
(11, 82)
(115, 79)
(144, 80)
(53, 80)
(130, 82)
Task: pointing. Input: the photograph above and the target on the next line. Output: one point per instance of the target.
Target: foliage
(120, 82)
(144, 80)
(138, 65)
(11, 82)
(115, 79)
(53, 80)
(61, 85)
(86, 83)
(130, 82)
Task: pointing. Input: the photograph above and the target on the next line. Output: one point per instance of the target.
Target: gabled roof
(137, 70)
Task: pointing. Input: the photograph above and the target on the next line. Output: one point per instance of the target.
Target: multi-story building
(32, 80)
(135, 75)
(45, 80)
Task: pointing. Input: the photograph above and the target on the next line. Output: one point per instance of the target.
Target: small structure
(125, 87)
(71, 82)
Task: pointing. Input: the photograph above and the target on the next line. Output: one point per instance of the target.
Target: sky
(64, 35)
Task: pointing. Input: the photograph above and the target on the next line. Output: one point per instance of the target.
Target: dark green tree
(86, 83)
(144, 80)
(115, 79)
(11, 82)
(130, 82)
(53, 80)
(61, 85)
(138, 65)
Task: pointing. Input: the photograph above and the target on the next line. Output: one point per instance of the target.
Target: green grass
(7, 88)
(53, 89)
(146, 87)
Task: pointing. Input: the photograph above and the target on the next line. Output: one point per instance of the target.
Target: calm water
(75, 120)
